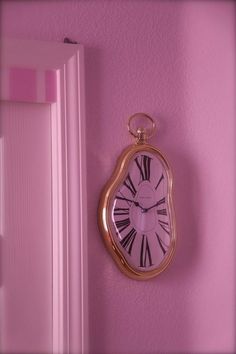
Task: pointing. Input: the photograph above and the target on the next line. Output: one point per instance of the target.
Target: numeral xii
(144, 163)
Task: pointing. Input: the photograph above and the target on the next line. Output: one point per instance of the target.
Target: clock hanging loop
(141, 126)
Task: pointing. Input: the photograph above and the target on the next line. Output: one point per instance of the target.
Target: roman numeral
(161, 244)
(161, 178)
(128, 240)
(122, 224)
(121, 211)
(122, 197)
(129, 184)
(145, 254)
(162, 212)
(144, 167)
(165, 226)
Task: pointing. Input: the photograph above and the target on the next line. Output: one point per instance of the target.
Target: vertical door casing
(43, 89)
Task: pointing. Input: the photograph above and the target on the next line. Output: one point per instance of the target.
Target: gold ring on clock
(148, 130)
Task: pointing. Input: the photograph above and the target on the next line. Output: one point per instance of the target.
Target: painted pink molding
(28, 85)
(22, 84)
(46, 72)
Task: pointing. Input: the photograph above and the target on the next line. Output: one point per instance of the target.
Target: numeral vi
(145, 253)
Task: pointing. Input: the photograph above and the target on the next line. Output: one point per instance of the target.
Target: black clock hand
(161, 201)
(131, 201)
(153, 206)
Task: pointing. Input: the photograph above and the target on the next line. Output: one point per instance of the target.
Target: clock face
(140, 216)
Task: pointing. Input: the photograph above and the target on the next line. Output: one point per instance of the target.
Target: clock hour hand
(131, 201)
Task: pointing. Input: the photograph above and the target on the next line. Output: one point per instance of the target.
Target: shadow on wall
(129, 316)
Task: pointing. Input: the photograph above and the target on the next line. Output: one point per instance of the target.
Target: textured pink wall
(176, 61)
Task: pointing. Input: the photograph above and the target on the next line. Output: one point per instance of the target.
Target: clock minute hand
(161, 201)
(153, 206)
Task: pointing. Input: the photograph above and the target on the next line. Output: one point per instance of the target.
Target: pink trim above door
(28, 85)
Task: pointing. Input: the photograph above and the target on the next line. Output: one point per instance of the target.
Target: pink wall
(176, 61)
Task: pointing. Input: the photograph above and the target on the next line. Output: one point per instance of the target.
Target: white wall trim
(65, 65)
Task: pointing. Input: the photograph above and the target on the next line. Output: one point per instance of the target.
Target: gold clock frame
(104, 207)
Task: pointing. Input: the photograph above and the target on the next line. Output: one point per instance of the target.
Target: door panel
(26, 252)
(43, 225)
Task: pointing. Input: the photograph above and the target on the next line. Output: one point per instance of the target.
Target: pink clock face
(140, 214)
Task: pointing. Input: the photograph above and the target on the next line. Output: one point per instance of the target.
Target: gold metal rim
(103, 221)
